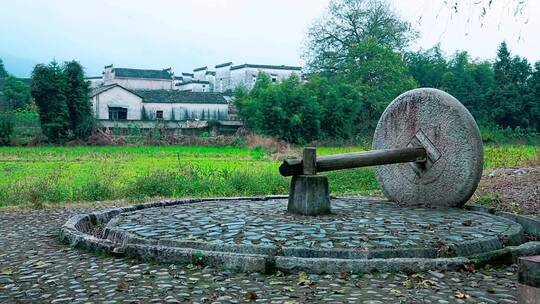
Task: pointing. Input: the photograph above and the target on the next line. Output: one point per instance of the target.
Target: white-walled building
(116, 103)
(138, 79)
(224, 79)
(195, 85)
(228, 77)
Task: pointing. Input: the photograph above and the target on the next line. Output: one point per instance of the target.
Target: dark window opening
(159, 114)
(117, 113)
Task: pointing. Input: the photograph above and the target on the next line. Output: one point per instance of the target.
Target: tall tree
(532, 106)
(346, 24)
(470, 82)
(508, 95)
(378, 75)
(427, 67)
(16, 93)
(78, 102)
(287, 110)
(3, 72)
(48, 90)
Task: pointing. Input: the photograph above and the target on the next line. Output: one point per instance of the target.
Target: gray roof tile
(139, 73)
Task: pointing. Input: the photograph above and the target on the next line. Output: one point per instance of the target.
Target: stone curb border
(530, 223)
(80, 230)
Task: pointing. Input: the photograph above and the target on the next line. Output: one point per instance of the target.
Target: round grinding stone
(435, 120)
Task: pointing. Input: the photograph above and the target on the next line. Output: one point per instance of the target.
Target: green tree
(287, 110)
(339, 103)
(3, 72)
(532, 106)
(78, 101)
(470, 82)
(144, 114)
(378, 75)
(6, 127)
(427, 67)
(508, 97)
(48, 90)
(346, 24)
(16, 93)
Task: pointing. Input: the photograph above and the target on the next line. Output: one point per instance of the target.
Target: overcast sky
(186, 34)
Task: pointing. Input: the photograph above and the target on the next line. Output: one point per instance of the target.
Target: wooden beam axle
(291, 167)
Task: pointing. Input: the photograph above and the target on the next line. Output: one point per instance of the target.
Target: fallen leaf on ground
(458, 294)
(395, 292)
(470, 267)
(303, 279)
(407, 283)
(250, 296)
(426, 283)
(121, 286)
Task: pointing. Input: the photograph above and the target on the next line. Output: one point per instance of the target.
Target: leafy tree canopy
(16, 93)
(346, 24)
(3, 72)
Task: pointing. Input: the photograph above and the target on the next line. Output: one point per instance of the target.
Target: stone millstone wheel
(438, 122)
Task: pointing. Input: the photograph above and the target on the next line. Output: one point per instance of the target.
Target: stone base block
(529, 280)
(309, 195)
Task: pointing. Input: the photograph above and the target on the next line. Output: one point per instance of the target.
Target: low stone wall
(99, 231)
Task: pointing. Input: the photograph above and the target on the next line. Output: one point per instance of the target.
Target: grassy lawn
(33, 176)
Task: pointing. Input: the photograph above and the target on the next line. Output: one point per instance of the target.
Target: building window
(117, 113)
(159, 114)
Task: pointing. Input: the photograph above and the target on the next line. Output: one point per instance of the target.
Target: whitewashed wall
(247, 76)
(222, 79)
(109, 77)
(200, 74)
(117, 97)
(95, 82)
(142, 83)
(194, 110)
(194, 87)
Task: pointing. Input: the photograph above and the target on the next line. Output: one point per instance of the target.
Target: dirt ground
(511, 189)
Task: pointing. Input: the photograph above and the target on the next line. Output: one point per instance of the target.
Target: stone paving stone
(355, 224)
(36, 268)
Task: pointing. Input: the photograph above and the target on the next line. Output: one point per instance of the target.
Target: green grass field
(34, 176)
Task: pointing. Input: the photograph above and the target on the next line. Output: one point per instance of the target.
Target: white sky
(188, 34)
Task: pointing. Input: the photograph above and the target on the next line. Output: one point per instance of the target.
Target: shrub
(154, 183)
(6, 128)
(100, 186)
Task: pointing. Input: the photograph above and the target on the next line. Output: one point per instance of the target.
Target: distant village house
(123, 96)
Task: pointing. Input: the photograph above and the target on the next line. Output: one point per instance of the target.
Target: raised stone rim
(248, 258)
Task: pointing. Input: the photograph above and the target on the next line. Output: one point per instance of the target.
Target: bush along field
(51, 175)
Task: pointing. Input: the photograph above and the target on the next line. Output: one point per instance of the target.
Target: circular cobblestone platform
(256, 234)
(355, 224)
